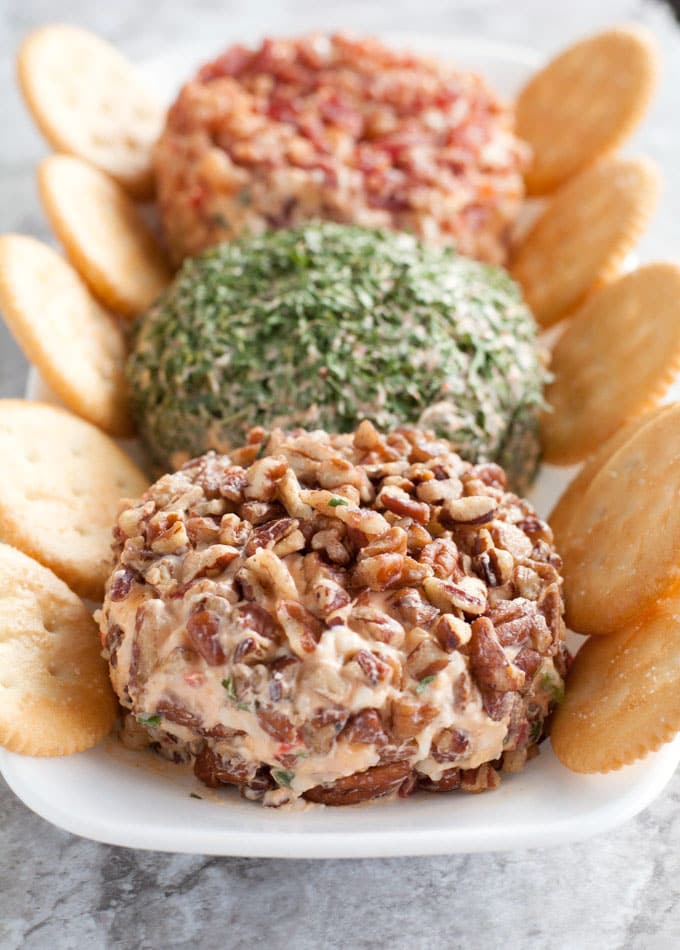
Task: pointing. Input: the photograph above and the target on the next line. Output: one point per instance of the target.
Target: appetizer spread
(339, 597)
(328, 324)
(336, 617)
(343, 129)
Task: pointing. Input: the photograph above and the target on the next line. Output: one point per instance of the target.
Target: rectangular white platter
(120, 797)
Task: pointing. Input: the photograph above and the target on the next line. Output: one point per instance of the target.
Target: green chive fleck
(334, 502)
(425, 682)
(553, 686)
(229, 686)
(194, 795)
(284, 777)
(149, 720)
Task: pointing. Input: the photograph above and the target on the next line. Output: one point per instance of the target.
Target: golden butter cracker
(584, 103)
(617, 357)
(75, 344)
(583, 235)
(562, 513)
(620, 546)
(61, 481)
(55, 694)
(622, 697)
(103, 234)
(89, 101)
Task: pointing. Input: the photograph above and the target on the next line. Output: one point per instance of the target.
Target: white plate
(129, 798)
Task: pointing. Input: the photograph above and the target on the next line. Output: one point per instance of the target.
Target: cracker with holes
(89, 101)
(103, 234)
(61, 481)
(55, 695)
(584, 234)
(616, 358)
(563, 512)
(584, 103)
(75, 344)
(620, 545)
(623, 694)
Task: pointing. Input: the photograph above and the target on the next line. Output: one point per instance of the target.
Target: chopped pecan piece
(214, 770)
(174, 711)
(400, 502)
(373, 666)
(377, 573)
(449, 744)
(442, 556)
(409, 717)
(490, 666)
(377, 782)
(254, 617)
(468, 594)
(203, 629)
(452, 632)
(470, 510)
(427, 659)
(364, 728)
(275, 724)
(267, 535)
(300, 625)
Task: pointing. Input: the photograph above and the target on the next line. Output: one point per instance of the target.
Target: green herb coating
(328, 324)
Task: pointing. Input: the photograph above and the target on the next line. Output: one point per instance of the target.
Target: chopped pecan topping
(311, 589)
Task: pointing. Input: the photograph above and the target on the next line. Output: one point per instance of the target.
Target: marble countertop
(620, 890)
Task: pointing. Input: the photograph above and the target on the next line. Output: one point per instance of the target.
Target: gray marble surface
(620, 890)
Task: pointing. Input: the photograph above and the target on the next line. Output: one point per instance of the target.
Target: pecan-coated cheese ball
(336, 617)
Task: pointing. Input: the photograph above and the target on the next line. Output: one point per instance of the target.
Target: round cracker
(617, 357)
(55, 694)
(620, 546)
(64, 332)
(563, 512)
(585, 103)
(89, 101)
(103, 234)
(61, 481)
(623, 695)
(584, 234)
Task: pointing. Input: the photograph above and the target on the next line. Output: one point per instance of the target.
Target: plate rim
(293, 844)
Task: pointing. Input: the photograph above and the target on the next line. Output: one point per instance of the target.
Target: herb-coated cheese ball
(329, 324)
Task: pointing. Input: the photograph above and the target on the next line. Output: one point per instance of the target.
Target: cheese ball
(329, 324)
(336, 618)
